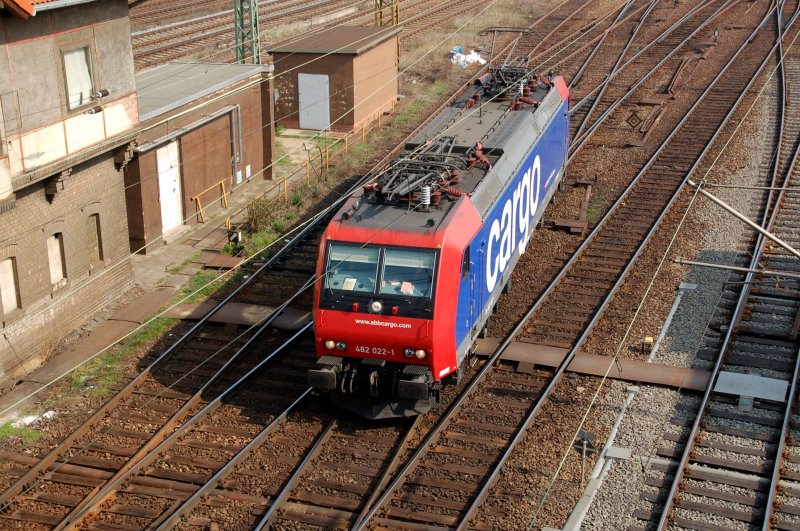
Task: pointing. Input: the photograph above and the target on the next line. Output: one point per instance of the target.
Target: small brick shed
(336, 79)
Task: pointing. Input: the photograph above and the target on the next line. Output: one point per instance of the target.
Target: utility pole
(392, 8)
(245, 14)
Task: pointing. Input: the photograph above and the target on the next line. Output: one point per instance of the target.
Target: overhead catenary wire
(367, 242)
(645, 299)
(122, 261)
(157, 239)
(314, 279)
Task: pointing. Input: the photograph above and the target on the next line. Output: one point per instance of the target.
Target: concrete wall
(338, 68)
(375, 74)
(38, 126)
(205, 154)
(48, 313)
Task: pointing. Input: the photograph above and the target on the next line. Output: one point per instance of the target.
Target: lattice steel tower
(392, 16)
(245, 14)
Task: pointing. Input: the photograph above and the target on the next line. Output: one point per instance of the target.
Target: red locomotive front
(374, 307)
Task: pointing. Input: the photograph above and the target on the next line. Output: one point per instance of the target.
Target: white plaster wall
(5, 179)
(34, 149)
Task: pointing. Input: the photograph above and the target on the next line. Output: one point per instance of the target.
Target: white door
(169, 186)
(314, 101)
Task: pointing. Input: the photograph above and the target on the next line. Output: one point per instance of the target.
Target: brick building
(205, 130)
(337, 79)
(67, 117)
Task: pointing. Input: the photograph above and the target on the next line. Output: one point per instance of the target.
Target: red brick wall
(48, 314)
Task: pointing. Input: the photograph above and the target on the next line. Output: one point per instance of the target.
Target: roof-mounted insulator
(473, 100)
(481, 156)
(425, 196)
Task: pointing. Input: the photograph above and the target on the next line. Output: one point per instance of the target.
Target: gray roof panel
(347, 40)
(173, 85)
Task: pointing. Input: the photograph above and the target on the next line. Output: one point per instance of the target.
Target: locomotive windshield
(379, 270)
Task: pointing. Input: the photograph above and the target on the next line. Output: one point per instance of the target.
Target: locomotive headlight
(420, 354)
(376, 306)
(409, 352)
(341, 345)
(330, 344)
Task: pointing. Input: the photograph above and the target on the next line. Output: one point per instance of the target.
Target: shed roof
(346, 40)
(43, 5)
(173, 85)
(28, 8)
(21, 8)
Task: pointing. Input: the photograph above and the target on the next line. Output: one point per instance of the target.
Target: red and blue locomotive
(412, 265)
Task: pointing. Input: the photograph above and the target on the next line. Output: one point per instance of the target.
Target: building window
(78, 76)
(9, 293)
(55, 256)
(94, 240)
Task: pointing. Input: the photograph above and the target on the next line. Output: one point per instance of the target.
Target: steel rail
(172, 517)
(617, 65)
(399, 479)
(111, 487)
(141, 455)
(614, 26)
(664, 34)
(598, 43)
(387, 475)
(23, 483)
(450, 413)
(737, 315)
(283, 495)
(786, 426)
(570, 356)
(185, 409)
(571, 39)
(579, 143)
(50, 459)
(769, 506)
(558, 27)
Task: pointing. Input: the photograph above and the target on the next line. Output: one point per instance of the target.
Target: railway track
(728, 467)
(214, 31)
(227, 474)
(144, 480)
(190, 375)
(155, 43)
(563, 318)
(614, 88)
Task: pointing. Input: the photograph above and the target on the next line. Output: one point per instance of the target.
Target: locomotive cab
(373, 327)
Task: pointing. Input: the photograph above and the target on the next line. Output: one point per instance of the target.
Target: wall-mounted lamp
(102, 93)
(93, 110)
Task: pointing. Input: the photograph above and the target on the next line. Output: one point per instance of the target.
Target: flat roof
(173, 85)
(346, 40)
